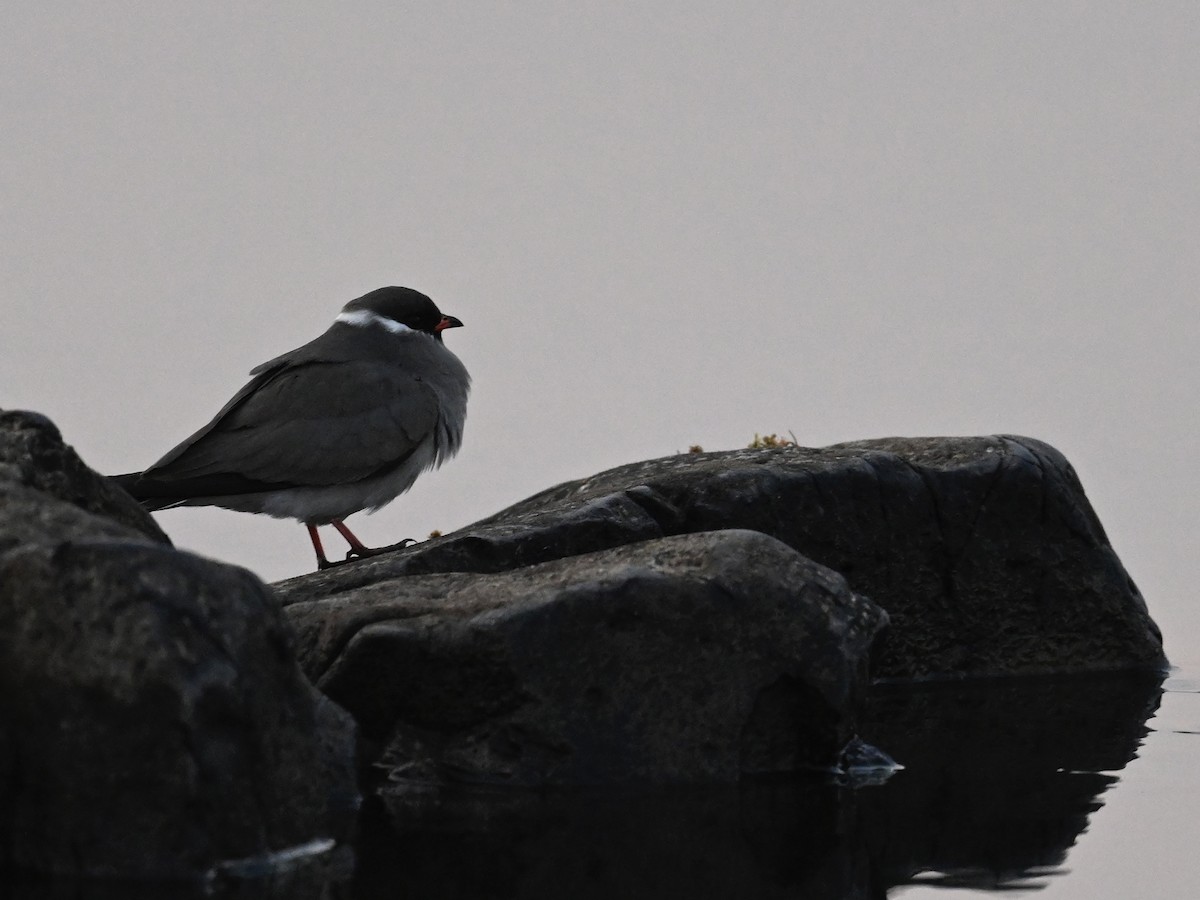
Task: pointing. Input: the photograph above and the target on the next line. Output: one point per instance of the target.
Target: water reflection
(999, 782)
(320, 877)
(1000, 778)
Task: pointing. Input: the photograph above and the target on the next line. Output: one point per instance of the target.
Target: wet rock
(693, 658)
(153, 720)
(984, 551)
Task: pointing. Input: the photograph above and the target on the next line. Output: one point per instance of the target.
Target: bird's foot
(365, 552)
(358, 550)
(352, 554)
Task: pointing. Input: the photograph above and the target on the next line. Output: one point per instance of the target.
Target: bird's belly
(319, 505)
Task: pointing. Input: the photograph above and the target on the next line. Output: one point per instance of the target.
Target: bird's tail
(146, 491)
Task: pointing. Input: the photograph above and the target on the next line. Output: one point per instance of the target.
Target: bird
(341, 424)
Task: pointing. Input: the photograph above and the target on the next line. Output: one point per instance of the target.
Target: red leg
(357, 547)
(322, 562)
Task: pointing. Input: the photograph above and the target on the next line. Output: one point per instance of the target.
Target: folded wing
(299, 425)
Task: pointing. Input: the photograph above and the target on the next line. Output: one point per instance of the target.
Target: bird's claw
(364, 552)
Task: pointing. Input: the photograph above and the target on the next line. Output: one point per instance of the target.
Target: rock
(984, 551)
(32, 453)
(692, 658)
(153, 719)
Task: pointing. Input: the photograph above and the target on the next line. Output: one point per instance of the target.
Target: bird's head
(398, 309)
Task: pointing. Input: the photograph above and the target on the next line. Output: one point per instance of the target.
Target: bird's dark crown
(401, 304)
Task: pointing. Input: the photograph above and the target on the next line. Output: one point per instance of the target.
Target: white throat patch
(364, 318)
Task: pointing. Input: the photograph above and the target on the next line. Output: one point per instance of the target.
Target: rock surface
(694, 658)
(984, 551)
(32, 454)
(153, 720)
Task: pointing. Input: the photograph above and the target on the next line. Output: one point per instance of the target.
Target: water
(1075, 788)
(1063, 789)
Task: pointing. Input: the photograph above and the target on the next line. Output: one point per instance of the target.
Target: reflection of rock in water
(1000, 778)
(999, 782)
(767, 840)
(322, 877)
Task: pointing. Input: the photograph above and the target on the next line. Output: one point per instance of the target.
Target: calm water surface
(1078, 788)
(1143, 838)
(1069, 789)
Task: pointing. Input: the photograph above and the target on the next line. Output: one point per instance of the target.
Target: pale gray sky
(663, 224)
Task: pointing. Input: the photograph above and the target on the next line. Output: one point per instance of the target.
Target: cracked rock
(700, 657)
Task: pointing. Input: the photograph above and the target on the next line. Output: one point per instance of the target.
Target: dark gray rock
(984, 551)
(153, 720)
(32, 454)
(694, 658)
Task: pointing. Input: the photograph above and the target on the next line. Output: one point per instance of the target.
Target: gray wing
(313, 423)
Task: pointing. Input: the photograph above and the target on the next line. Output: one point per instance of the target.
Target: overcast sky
(663, 224)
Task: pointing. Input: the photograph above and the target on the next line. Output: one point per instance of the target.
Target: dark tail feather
(160, 493)
(146, 491)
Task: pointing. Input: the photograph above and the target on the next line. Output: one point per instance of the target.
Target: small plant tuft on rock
(772, 441)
